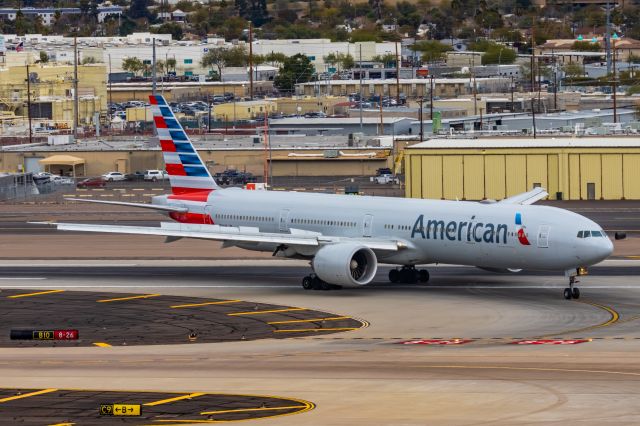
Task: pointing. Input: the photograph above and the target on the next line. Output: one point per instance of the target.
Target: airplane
(346, 237)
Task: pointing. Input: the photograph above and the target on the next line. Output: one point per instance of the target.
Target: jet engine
(349, 265)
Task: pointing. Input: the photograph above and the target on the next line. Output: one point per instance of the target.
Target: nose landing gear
(572, 292)
(408, 275)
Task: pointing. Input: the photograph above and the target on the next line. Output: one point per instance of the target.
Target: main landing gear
(312, 282)
(408, 275)
(572, 292)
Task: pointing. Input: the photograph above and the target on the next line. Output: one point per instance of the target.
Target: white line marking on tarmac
(22, 278)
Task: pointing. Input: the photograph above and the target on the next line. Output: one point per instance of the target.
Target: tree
(140, 9)
(171, 64)
(44, 58)
(388, 59)
(295, 69)
(235, 56)
(432, 50)
(88, 60)
(572, 71)
(253, 10)
(275, 58)
(343, 61)
(132, 64)
(498, 55)
(172, 28)
(585, 46)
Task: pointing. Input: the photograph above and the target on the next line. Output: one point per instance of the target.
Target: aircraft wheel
(394, 276)
(567, 293)
(324, 286)
(307, 283)
(423, 275)
(409, 275)
(575, 293)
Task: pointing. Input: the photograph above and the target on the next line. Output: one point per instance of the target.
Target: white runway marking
(22, 278)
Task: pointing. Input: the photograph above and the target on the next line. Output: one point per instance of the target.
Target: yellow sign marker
(267, 312)
(27, 395)
(120, 409)
(193, 305)
(63, 424)
(16, 296)
(119, 299)
(177, 398)
(102, 344)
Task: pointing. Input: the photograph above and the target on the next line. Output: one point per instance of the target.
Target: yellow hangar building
(495, 168)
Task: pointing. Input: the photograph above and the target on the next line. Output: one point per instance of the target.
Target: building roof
(304, 121)
(529, 142)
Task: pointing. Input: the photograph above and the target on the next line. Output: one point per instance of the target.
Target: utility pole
(110, 81)
(512, 88)
(75, 87)
(209, 112)
(533, 81)
(555, 84)
(615, 85)
(431, 100)
(381, 117)
(360, 86)
(153, 67)
(250, 60)
(398, 58)
(29, 104)
(420, 117)
(607, 38)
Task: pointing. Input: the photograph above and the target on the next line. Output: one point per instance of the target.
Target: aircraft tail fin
(187, 172)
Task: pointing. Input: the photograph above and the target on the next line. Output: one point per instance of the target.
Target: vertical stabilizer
(187, 172)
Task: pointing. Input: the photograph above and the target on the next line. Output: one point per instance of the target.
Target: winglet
(536, 194)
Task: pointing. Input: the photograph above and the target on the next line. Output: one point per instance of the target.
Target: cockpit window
(587, 234)
(580, 234)
(596, 234)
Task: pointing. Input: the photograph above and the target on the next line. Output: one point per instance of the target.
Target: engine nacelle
(350, 265)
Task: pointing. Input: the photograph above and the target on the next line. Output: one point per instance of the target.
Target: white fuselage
(492, 235)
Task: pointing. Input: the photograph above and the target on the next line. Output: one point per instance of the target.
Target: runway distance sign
(44, 335)
(120, 409)
(551, 342)
(442, 342)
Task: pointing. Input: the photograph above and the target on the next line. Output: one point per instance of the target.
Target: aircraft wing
(536, 194)
(295, 237)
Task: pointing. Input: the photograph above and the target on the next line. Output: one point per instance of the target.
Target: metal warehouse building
(569, 168)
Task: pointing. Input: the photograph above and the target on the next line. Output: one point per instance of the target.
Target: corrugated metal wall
(471, 174)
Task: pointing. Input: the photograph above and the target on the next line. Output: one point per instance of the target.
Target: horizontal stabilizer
(139, 205)
(536, 194)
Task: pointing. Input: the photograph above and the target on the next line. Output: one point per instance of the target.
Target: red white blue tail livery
(187, 172)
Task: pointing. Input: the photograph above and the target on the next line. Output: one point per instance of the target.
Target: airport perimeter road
(469, 348)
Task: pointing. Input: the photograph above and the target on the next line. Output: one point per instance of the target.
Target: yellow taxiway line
(267, 312)
(193, 305)
(248, 410)
(27, 395)
(15, 296)
(177, 398)
(120, 299)
(309, 320)
(102, 344)
(302, 330)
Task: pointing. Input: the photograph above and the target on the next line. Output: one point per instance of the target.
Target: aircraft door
(367, 224)
(283, 224)
(543, 236)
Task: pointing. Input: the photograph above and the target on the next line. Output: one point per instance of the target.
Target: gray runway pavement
(367, 376)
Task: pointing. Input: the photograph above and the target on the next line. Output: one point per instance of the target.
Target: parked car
(61, 180)
(42, 177)
(93, 182)
(155, 175)
(113, 176)
(135, 176)
(234, 177)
